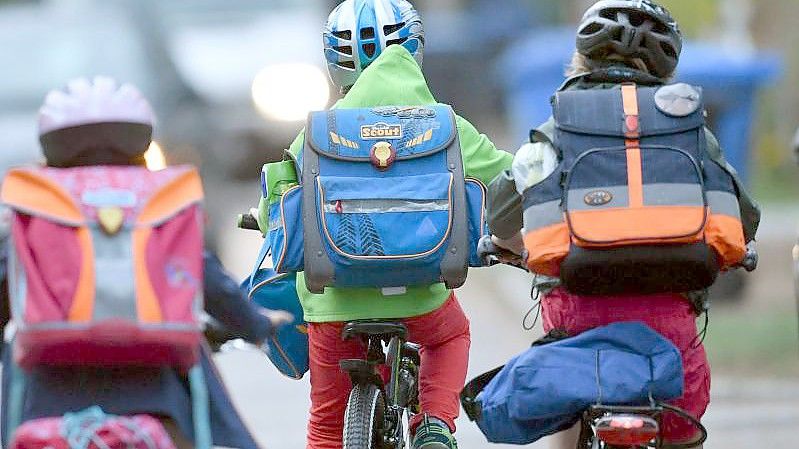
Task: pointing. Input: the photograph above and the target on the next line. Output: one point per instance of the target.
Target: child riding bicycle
(94, 133)
(588, 189)
(374, 51)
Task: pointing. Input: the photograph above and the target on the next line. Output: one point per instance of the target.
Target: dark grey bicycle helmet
(631, 29)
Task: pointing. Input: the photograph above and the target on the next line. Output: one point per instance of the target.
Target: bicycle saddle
(374, 329)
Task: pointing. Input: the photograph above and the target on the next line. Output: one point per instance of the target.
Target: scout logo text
(381, 131)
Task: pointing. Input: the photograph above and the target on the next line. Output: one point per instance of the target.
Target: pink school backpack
(106, 265)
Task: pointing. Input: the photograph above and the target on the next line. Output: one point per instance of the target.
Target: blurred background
(232, 80)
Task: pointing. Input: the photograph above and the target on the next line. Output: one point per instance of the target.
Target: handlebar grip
(247, 221)
(486, 249)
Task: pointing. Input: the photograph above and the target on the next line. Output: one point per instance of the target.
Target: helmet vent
(391, 29)
(609, 14)
(668, 50)
(396, 41)
(660, 28)
(368, 33)
(346, 49)
(369, 49)
(346, 34)
(637, 18)
(347, 64)
(591, 28)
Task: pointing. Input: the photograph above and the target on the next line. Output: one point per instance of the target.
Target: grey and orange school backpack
(105, 265)
(636, 204)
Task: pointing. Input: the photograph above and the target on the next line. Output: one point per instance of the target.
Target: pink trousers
(671, 315)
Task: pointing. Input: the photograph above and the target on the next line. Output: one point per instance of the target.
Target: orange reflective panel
(83, 301)
(546, 248)
(184, 190)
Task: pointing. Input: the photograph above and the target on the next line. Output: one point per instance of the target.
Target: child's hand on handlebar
(491, 253)
(515, 244)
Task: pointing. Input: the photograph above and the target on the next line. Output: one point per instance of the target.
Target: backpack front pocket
(619, 196)
(365, 219)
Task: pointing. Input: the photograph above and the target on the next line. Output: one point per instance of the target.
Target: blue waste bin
(533, 68)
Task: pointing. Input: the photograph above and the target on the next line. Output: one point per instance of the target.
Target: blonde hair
(581, 65)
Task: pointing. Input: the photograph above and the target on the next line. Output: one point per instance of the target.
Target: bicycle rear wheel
(364, 418)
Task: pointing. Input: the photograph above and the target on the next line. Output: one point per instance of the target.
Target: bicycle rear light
(626, 430)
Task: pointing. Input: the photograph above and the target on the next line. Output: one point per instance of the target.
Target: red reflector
(627, 430)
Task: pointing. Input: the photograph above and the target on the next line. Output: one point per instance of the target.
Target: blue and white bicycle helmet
(358, 31)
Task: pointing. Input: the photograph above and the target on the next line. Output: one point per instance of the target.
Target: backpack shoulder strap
(266, 248)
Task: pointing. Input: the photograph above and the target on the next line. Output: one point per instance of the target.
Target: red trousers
(444, 337)
(670, 315)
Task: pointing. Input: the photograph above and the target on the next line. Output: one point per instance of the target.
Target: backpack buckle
(110, 219)
(383, 155)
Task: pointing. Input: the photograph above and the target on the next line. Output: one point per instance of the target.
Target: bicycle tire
(364, 418)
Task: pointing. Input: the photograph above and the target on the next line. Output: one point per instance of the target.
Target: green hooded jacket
(395, 79)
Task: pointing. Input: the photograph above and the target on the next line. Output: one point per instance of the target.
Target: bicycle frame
(401, 390)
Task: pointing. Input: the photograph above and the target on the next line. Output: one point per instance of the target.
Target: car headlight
(288, 92)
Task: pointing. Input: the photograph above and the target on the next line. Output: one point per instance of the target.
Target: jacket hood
(393, 79)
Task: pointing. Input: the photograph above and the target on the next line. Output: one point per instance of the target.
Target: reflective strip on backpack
(542, 215)
(114, 280)
(384, 206)
(629, 93)
(724, 203)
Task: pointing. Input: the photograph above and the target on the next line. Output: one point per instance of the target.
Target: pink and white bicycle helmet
(98, 118)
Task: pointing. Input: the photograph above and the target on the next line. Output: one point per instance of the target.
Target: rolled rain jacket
(545, 389)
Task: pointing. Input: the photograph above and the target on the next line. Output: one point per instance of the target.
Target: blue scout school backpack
(382, 202)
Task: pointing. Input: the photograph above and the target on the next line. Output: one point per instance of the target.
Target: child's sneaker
(433, 433)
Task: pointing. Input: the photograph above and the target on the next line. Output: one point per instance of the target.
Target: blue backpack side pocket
(288, 348)
(478, 227)
(286, 232)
